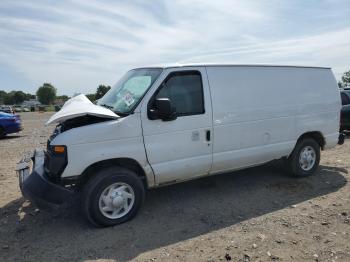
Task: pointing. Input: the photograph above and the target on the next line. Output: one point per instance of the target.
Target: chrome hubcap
(116, 200)
(307, 158)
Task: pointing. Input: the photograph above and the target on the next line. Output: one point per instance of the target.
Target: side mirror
(163, 110)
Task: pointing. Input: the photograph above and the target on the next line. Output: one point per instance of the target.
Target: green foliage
(50, 108)
(3, 94)
(63, 97)
(14, 97)
(18, 97)
(91, 97)
(345, 79)
(101, 91)
(46, 94)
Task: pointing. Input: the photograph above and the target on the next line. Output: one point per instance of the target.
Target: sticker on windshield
(128, 99)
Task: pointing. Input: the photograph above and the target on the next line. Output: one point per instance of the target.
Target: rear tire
(304, 159)
(112, 196)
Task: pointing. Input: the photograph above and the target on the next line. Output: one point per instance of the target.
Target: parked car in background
(9, 123)
(345, 111)
(26, 109)
(17, 109)
(6, 109)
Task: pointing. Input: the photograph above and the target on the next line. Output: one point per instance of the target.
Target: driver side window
(185, 90)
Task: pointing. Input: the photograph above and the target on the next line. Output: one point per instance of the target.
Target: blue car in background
(9, 123)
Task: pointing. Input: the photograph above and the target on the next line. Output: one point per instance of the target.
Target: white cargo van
(163, 125)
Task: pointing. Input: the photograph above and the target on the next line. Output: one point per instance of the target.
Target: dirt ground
(259, 214)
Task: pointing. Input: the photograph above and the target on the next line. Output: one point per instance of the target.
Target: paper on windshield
(128, 99)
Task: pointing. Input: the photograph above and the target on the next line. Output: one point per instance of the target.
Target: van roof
(174, 65)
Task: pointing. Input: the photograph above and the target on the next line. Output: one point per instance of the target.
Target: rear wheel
(305, 158)
(112, 196)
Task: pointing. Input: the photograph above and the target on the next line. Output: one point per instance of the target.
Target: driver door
(180, 149)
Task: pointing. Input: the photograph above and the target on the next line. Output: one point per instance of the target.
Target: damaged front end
(56, 156)
(79, 107)
(75, 123)
(40, 172)
(36, 186)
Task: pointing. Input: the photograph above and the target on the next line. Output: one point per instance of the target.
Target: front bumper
(36, 187)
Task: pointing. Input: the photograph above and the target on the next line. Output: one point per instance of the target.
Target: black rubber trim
(41, 191)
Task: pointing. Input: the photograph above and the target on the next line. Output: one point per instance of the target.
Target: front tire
(113, 196)
(305, 158)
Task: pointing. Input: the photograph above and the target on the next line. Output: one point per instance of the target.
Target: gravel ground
(259, 214)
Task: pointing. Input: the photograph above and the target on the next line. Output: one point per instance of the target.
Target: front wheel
(305, 158)
(113, 196)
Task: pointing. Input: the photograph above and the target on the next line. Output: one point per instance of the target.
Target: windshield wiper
(121, 113)
(106, 106)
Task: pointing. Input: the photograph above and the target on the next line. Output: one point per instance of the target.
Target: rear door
(180, 149)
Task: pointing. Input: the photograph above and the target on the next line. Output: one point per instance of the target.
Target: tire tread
(104, 174)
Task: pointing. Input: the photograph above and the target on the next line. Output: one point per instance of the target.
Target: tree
(63, 97)
(14, 97)
(18, 97)
(46, 94)
(101, 91)
(3, 94)
(8, 99)
(91, 97)
(29, 96)
(346, 79)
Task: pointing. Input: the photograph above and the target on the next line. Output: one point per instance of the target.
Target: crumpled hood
(80, 106)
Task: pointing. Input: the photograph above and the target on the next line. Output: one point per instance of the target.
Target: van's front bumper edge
(36, 187)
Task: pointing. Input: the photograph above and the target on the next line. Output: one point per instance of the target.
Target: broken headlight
(56, 160)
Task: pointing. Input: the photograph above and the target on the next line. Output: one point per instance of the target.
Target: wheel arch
(128, 163)
(316, 135)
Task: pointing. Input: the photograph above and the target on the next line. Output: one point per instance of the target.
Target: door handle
(207, 135)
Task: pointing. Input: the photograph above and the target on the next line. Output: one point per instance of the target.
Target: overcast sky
(77, 45)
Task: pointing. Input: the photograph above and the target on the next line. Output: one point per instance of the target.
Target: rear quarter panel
(318, 108)
(260, 112)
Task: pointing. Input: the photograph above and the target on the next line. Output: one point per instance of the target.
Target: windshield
(129, 90)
